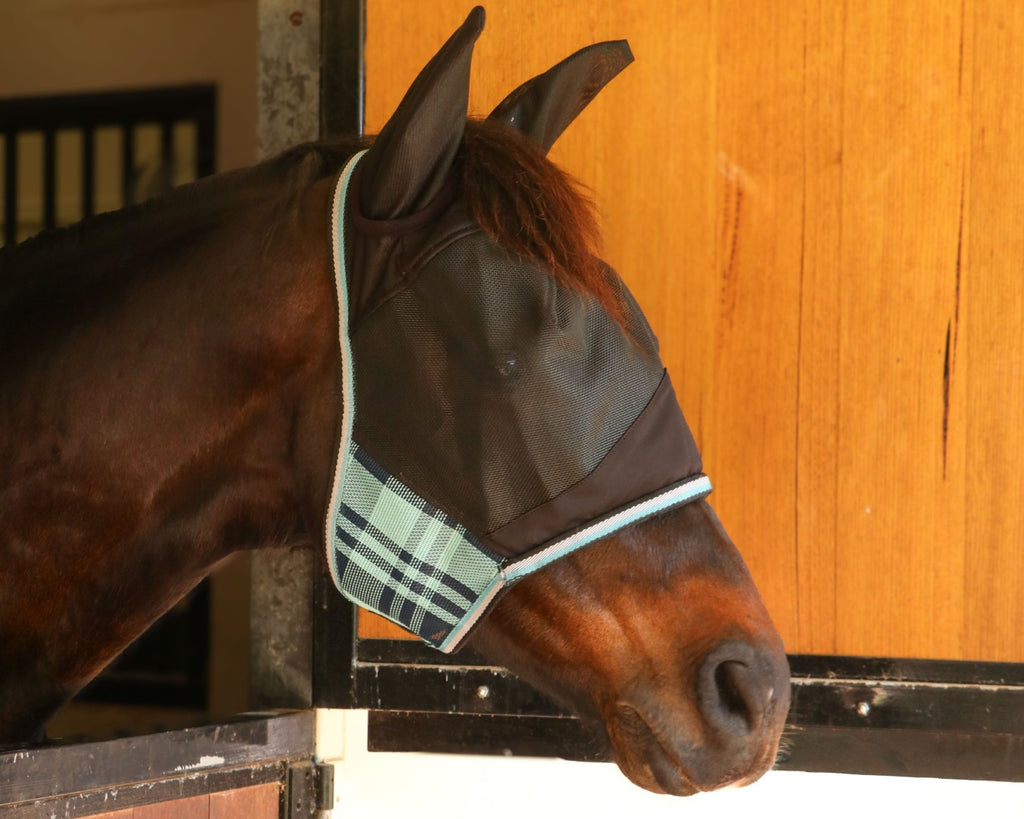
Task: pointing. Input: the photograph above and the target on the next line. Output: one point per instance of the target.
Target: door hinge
(310, 789)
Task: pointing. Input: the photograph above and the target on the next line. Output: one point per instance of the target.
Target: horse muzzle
(720, 728)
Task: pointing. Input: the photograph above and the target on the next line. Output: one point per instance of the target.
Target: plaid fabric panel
(401, 557)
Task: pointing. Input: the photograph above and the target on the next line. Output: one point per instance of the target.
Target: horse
(169, 395)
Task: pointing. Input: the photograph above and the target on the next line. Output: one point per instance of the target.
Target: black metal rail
(895, 717)
(86, 778)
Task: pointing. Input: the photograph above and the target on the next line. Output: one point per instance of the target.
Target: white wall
(398, 786)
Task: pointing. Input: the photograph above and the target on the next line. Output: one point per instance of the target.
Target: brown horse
(169, 395)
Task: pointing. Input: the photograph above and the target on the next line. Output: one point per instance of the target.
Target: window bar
(88, 172)
(49, 179)
(206, 145)
(167, 154)
(127, 164)
(10, 188)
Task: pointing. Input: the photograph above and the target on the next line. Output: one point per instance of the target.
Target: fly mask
(493, 419)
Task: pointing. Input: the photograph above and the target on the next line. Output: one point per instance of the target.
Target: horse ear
(410, 159)
(543, 107)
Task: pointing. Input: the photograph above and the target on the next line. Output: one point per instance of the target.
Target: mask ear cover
(412, 156)
(410, 160)
(542, 108)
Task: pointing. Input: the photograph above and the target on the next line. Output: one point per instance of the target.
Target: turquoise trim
(348, 401)
(482, 605)
(694, 488)
(681, 493)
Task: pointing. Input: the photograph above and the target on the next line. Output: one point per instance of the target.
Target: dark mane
(529, 206)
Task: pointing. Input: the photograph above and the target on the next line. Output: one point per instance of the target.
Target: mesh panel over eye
(500, 389)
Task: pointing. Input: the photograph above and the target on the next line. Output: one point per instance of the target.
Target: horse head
(508, 395)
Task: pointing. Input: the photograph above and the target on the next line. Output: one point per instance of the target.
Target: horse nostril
(735, 689)
(738, 701)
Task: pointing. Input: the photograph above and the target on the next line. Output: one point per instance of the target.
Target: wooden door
(820, 206)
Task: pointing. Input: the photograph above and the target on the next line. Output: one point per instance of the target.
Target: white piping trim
(698, 486)
(693, 489)
(348, 403)
(474, 614)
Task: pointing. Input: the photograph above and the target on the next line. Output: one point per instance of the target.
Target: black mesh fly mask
(493, 420)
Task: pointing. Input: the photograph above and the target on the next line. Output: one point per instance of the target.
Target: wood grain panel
(818, 206)
(899, 549)
(256, 802)
(758, 163)
(818, 347)
(991, 356)
(194, 807)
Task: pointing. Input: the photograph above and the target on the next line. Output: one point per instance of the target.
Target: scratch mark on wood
(960, 64)
(730, 235)
(953, 327)
(959, 259)
(945, 399)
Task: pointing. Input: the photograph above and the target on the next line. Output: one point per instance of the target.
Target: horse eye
(508, 366)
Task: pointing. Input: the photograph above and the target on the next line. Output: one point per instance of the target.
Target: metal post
(310, 85)
(281, 647)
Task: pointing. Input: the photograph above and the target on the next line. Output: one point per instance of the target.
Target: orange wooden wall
(820, 206)
(254, 802)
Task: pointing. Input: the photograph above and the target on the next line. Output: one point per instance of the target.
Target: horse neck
(149, 430)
